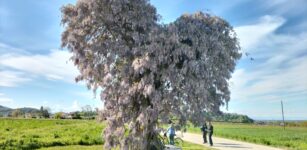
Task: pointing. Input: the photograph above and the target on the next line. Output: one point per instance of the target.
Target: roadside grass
(291, 138)
(192, 146)
(185, 146)
(75, 147)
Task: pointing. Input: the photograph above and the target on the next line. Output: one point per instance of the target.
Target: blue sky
(34, 71)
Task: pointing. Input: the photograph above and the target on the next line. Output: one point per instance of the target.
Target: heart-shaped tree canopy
(149, 71)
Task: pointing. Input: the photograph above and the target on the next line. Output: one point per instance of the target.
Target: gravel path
(225, 144)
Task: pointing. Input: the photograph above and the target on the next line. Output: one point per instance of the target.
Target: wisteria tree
(149, 71)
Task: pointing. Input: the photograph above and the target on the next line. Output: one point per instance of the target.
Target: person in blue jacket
(171, 133)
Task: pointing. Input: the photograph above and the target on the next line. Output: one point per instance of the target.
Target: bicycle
(162, 140)
(177, 140)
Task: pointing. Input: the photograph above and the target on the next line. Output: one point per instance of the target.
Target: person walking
(210, 131)
(171, 134)
(204, 131)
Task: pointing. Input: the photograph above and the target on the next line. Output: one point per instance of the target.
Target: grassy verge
(185, 146)
(192, 146)
(291, 138)
(75, 147)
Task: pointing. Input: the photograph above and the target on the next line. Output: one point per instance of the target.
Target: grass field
(56, 134)
(291, 138)
(85, 134)
(33, 133)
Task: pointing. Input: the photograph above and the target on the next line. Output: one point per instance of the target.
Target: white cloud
(277, 73)
(251, 35)
(12, 78)
(271, 84)
(53, 66)
(4, 48)
(279, 70)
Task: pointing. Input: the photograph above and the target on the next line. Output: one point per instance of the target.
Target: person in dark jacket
(204, 131)
(210, 131)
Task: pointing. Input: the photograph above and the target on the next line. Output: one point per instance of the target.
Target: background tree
(148, 70)
(17, 113)
(87, 111)
(44, 112)
(76, 115)
(58, 115)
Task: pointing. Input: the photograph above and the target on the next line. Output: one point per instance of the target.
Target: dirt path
(225, 144)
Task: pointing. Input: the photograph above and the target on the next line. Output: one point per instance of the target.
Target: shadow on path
(231, 145)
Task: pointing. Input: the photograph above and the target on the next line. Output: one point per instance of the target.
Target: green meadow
(290, 138)
(56, 135)
(37, 133)
(87, 134)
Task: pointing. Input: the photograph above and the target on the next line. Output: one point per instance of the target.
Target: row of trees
(86, 113)
(232, 117)
(45, 112)
(30, 113)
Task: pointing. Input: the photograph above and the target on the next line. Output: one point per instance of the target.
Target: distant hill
(3, 108)
(28, 110)
(5, 111)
